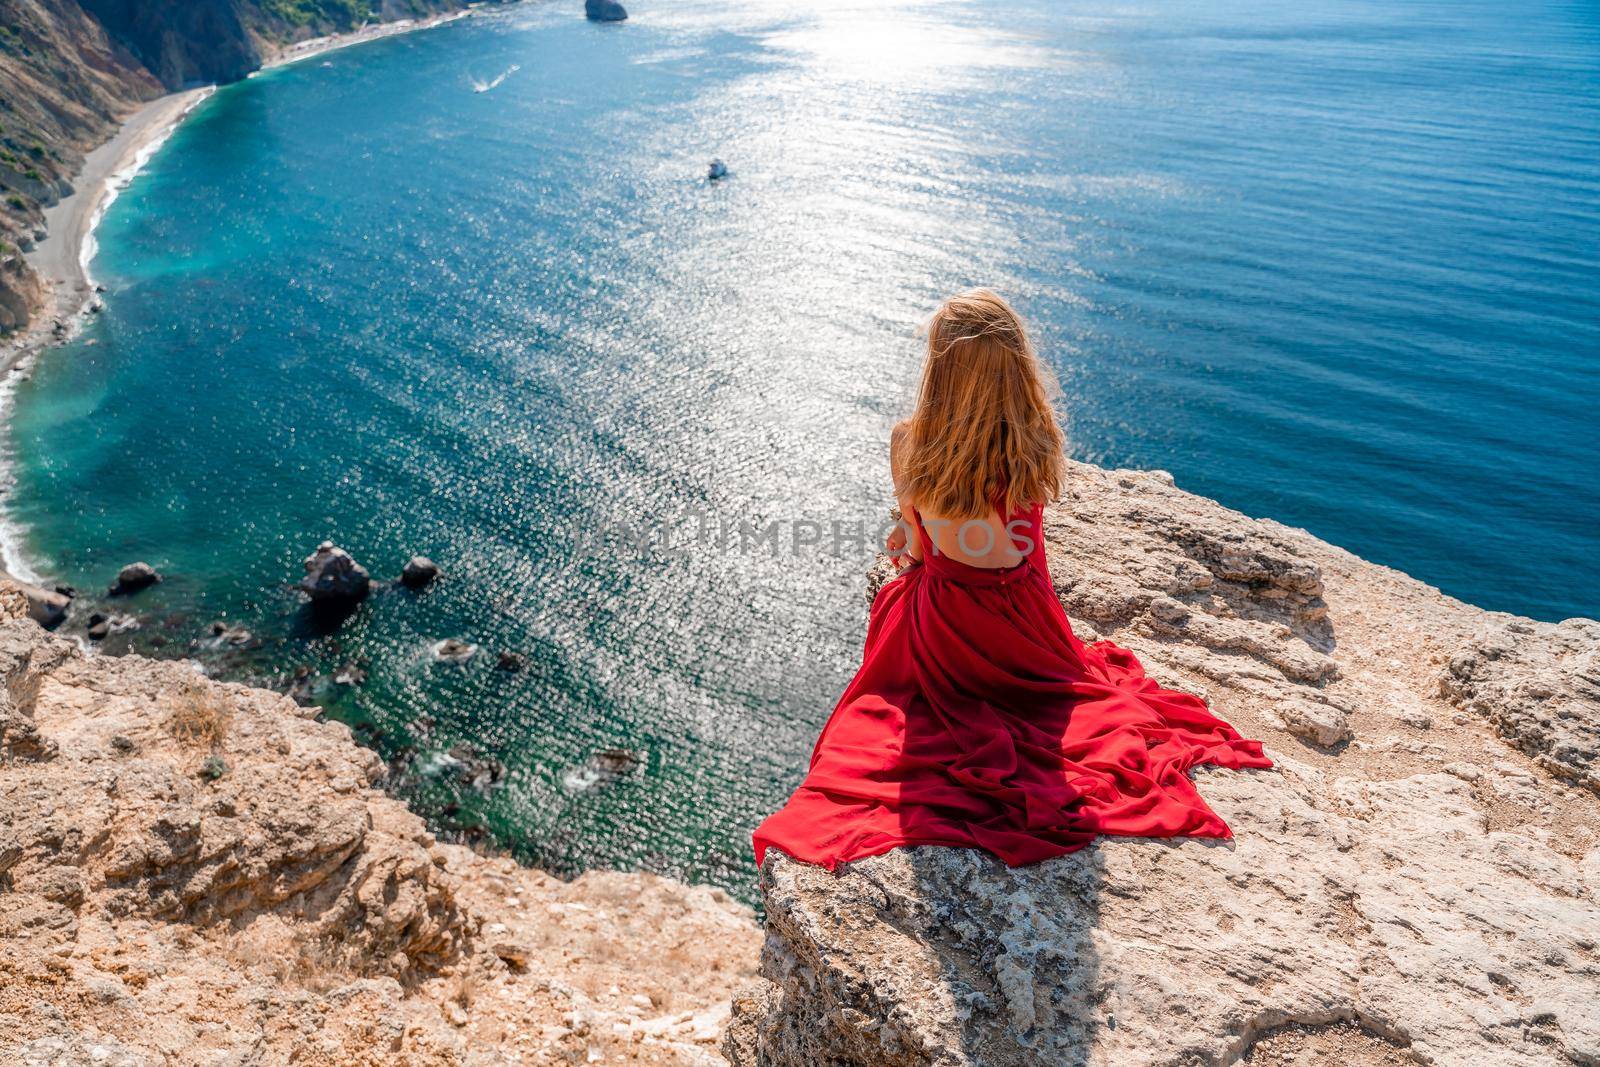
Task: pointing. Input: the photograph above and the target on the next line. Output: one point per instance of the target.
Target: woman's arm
(903, 543)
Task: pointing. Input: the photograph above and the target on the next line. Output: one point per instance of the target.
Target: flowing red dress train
(979, 720)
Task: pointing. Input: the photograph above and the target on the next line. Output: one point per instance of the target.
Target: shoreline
(62, 259)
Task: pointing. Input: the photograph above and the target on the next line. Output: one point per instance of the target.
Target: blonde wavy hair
(983, 437)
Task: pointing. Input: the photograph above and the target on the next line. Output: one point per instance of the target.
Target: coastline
(61, 260)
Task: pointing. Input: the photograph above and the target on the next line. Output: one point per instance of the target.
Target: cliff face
(1414, 883)
(201, 873)
(71, 70)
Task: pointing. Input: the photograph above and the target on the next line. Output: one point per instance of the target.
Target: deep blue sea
(1337, 263)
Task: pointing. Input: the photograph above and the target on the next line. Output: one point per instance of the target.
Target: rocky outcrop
(193, 872)
(419, 572)
(132, 578)
(1415, 882)
(333, 576)
(181, 42)
(604, 11)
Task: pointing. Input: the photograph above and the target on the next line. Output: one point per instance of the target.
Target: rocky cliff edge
(1415, 882)
(199, 873)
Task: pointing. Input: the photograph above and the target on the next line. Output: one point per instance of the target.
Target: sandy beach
(60, 258)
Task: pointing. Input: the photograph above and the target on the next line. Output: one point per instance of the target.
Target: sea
(469, 293)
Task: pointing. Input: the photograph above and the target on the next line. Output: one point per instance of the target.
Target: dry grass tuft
(199, 716)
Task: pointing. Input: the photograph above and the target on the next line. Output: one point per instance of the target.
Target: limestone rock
(1404, 886)
(1539, 685)
(253, 896)
(47, 607)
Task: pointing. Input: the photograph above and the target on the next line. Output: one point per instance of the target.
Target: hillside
(71, 70)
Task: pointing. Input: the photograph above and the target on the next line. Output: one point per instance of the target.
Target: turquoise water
(1336, 263)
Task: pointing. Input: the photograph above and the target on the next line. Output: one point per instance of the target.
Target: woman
(977, 718)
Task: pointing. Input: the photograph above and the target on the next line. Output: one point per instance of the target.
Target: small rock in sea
(472, 768)
(99, 288)
(419, 572)
(717, 169)
(213, 768)
(134, 577)
(616, 760)
(511, 661)
(452, 651)
(96, 306)
(604, 11)
(350, 674)
(332, 576)
(67, 591)
(99, 630)
(606, 765)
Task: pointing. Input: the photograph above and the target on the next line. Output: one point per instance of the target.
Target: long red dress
(979, 720)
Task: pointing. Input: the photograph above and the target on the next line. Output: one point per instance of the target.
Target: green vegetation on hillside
(340, 14)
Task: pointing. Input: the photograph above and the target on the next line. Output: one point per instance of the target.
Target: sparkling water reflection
(1327, 262)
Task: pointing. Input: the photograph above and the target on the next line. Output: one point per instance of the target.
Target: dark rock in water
(419, 572)
(99, 628)
(473, 769)
(452, 651)
(602, 768)
(350, 674)
(511, 661)
(237, 636)
(716, 169)
(604, 11)
(616, 760)
(66, 591)
(333, 577)
(134, 577)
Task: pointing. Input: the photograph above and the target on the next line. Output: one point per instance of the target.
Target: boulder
(604, 11)
(419, 572)
(332, 576)
(132, 578)
(47, 607)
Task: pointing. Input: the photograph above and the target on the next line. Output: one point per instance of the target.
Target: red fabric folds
(978, 720)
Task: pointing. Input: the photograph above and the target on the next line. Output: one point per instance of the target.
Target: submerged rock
(471, 768)
(452, 651)
(333, 577)
(511, 661)
(604, 11)
(419, 572)
(134, 577)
